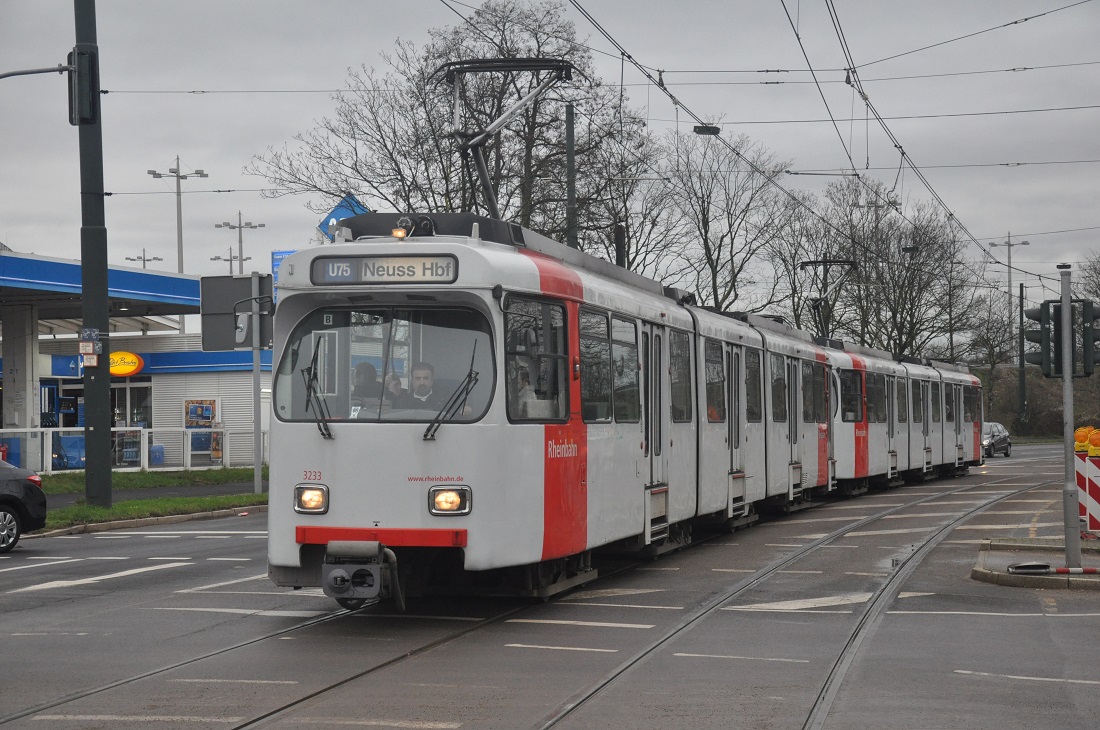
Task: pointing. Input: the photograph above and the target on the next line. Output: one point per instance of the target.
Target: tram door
(654, 416)
(737, 505)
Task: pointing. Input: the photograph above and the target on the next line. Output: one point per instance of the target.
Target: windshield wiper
(314, 399)
(457, 402)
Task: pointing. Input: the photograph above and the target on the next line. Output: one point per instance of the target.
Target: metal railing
(48, 450)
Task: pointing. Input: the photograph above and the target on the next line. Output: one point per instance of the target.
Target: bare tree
(390, 140)
(802, 255)
(732, 213)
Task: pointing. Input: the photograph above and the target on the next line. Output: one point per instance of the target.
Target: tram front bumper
(354, 569)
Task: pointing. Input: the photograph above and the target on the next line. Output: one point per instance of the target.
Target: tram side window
(876, 398)
(679, 353)
(595, 367)
(970, 404)
(851, 396)
(813, 393)
(624, 366)
(779, 388)
(918, 403)
(535, 347)
(754, 406)
(950, 394)
(935, 402)
(903, 403)
(716, 382)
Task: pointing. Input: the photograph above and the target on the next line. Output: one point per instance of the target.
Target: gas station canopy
(139, 300)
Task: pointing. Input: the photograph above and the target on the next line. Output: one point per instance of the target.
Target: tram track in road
(865, 625)
(348, 675)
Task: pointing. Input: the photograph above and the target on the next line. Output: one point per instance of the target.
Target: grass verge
(82, 514)
(73, 482)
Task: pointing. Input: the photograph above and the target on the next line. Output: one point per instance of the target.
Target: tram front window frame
(330, 353)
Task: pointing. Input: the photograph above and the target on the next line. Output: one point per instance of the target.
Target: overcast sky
(269, 69)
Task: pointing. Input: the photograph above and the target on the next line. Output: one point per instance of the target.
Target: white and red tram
(473, 404)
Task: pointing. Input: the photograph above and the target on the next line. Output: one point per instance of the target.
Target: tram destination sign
(345, 270)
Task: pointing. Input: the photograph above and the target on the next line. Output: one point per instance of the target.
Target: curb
(147, 521)
(983, 573)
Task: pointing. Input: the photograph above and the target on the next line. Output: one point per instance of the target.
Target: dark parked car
(995, 439)
(22, 504)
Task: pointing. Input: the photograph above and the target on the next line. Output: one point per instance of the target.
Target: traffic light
(1090, 334)
(1042, 336)
(83, 84)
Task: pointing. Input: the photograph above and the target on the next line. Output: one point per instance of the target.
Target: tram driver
(421, 393)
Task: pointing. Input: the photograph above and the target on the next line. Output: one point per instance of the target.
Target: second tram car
(462, 403)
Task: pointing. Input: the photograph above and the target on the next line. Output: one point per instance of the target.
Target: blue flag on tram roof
(346, 208)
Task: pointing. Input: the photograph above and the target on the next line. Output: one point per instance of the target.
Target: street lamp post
(1009, 244)
(143, 258)
(240, 239)
(231, 258)
(175, 172)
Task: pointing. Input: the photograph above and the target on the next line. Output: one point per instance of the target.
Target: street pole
(240, 239)
(257, 430)
(95, 314)
(1069, 490)
(1021, 411)
(175, 172)
(1009, 244)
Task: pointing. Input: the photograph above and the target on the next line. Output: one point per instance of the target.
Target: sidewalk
(57, 501)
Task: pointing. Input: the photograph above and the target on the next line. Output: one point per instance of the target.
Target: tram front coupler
(363, 571)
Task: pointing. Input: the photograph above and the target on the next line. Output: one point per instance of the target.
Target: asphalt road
(84, 612)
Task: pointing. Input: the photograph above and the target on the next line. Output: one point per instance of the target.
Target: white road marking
(170, 558)
(863, 506)
(746, 658)
(261, 576)
(560, 648)
(869, 575)
(244, 611)
(136, 718)
(105, 557)
(111, 537)
(40, 565)
(614, 592)
(843, 599)
(95, 579)
(920, 514)
(261, 533)
(850, 547)
(56, 633)
(595, 624)
(995, 613)
(1028, 679)
(236, 560)
(619, 605)
(656, 568)
(212, 537)
(400, 724)
(51, 557)
(734, 570)
(1009, 527)
(902, 531)
(782, 544)
(913, 594)
(845, 518)
(161, 537)
(236, 681)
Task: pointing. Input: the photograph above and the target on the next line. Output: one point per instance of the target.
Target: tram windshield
(386, 364)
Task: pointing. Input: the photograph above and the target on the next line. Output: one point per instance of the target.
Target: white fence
(48, 450)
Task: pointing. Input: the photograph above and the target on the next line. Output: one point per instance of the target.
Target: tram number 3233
(311, 476)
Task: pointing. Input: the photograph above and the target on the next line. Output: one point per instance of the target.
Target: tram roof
(139, 300)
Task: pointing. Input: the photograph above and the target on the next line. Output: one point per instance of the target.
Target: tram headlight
(449, 500)
(311, 499)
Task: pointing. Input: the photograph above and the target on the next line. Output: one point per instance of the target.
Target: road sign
(346, 208)
(221, 299)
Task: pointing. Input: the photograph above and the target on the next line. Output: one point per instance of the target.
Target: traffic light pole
(1069, 489)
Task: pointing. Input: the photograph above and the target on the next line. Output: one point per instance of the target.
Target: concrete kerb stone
(1028, 547)
(147, 521)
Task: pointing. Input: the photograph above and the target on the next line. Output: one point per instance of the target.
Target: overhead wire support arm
(473, 143)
